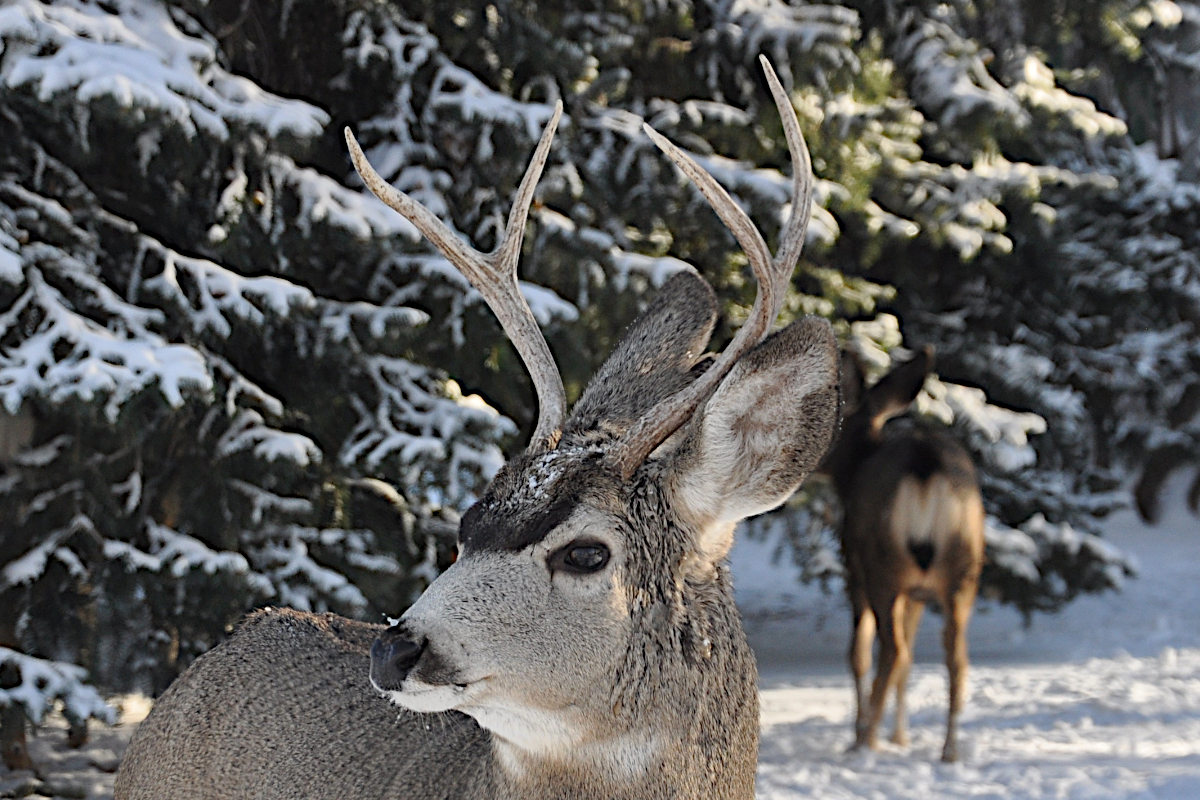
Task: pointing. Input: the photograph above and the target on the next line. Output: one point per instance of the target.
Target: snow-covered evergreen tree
(200, 382)
(229, 377)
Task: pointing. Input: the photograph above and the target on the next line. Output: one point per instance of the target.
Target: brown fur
(900, 489)
(624, 675)
(654, 669)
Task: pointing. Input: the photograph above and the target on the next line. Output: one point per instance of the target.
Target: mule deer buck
(585, 644)
(912, 532)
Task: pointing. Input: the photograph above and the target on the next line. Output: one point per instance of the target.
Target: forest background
(230, 378)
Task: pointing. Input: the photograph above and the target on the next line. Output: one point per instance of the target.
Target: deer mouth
(428, 698)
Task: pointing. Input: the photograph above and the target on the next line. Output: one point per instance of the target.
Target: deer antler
(773, 275)
(494, 276)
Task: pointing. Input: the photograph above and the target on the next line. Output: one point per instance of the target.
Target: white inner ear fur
(738, 463)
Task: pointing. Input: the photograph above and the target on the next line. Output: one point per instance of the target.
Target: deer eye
(580, 557)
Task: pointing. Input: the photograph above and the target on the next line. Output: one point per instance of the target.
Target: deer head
(588, 622)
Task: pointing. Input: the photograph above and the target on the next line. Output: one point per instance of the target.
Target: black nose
(393, 655)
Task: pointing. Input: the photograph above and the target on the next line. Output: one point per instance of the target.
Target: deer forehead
(534, 496)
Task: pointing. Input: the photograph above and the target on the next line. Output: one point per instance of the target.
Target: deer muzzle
(393, 655)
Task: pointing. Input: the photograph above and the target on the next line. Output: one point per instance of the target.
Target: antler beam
(773, 275)
(494, 275)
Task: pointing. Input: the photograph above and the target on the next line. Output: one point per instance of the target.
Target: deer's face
(571, 579)
(527, 630)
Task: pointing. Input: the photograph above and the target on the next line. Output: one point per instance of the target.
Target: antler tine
(494, 276)
(773, 275)
(791, 241)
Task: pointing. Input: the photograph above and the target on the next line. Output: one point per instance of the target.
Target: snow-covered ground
(1100, 702)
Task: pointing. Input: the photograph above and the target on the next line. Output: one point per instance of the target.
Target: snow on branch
(546, 305)
(131, 53)
(949, 77)
(303, 583)
(1049, 554)
(326, 203)
(598, 247)
(405, 45)
(1039, 91)
(179, 554)
(408, 277)
(817, 35)
(11, 267)
(1003, 434)
(69, 355)
(960, 206)
(455, 88)
(45, 683)
(340, 319)
(424, 426)
(764, 188)
(263, 501)
(248, 432)
(1000, 435)
(214, 295)
(30, 566)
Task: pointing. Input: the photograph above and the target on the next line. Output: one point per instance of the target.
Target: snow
(743, 182)
(622, 263)
(102, 362)
(457, 90)
(134, 56)
(1039, 90)
(223, 294)
(30, 566)
(184, 553)
(325, 202)
(249, 431)
(546, 305)
(1005, 433)
(950, 76)
(1100, 701)
(45, 683)
(819, 35)
(10, 261)
(303, 583)
(413, 422)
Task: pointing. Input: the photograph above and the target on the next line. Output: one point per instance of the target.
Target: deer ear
(656, 359)
(896, 391)
(761, 433)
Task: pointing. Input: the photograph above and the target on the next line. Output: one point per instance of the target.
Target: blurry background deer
(911, 533)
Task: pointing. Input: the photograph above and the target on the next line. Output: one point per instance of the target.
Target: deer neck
(623, 766)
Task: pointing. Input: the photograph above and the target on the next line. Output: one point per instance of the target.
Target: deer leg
(12, 737)
(893, 650)
(954, 639)
(860, 663)
(912, 621)
(13, 748)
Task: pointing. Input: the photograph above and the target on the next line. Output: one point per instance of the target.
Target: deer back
(284, 708)
(910, 496)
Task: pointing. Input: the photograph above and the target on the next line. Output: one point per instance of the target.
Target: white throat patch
(627, 758)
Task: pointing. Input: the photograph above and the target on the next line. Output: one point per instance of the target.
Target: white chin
(532, 730)
(426, 699)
